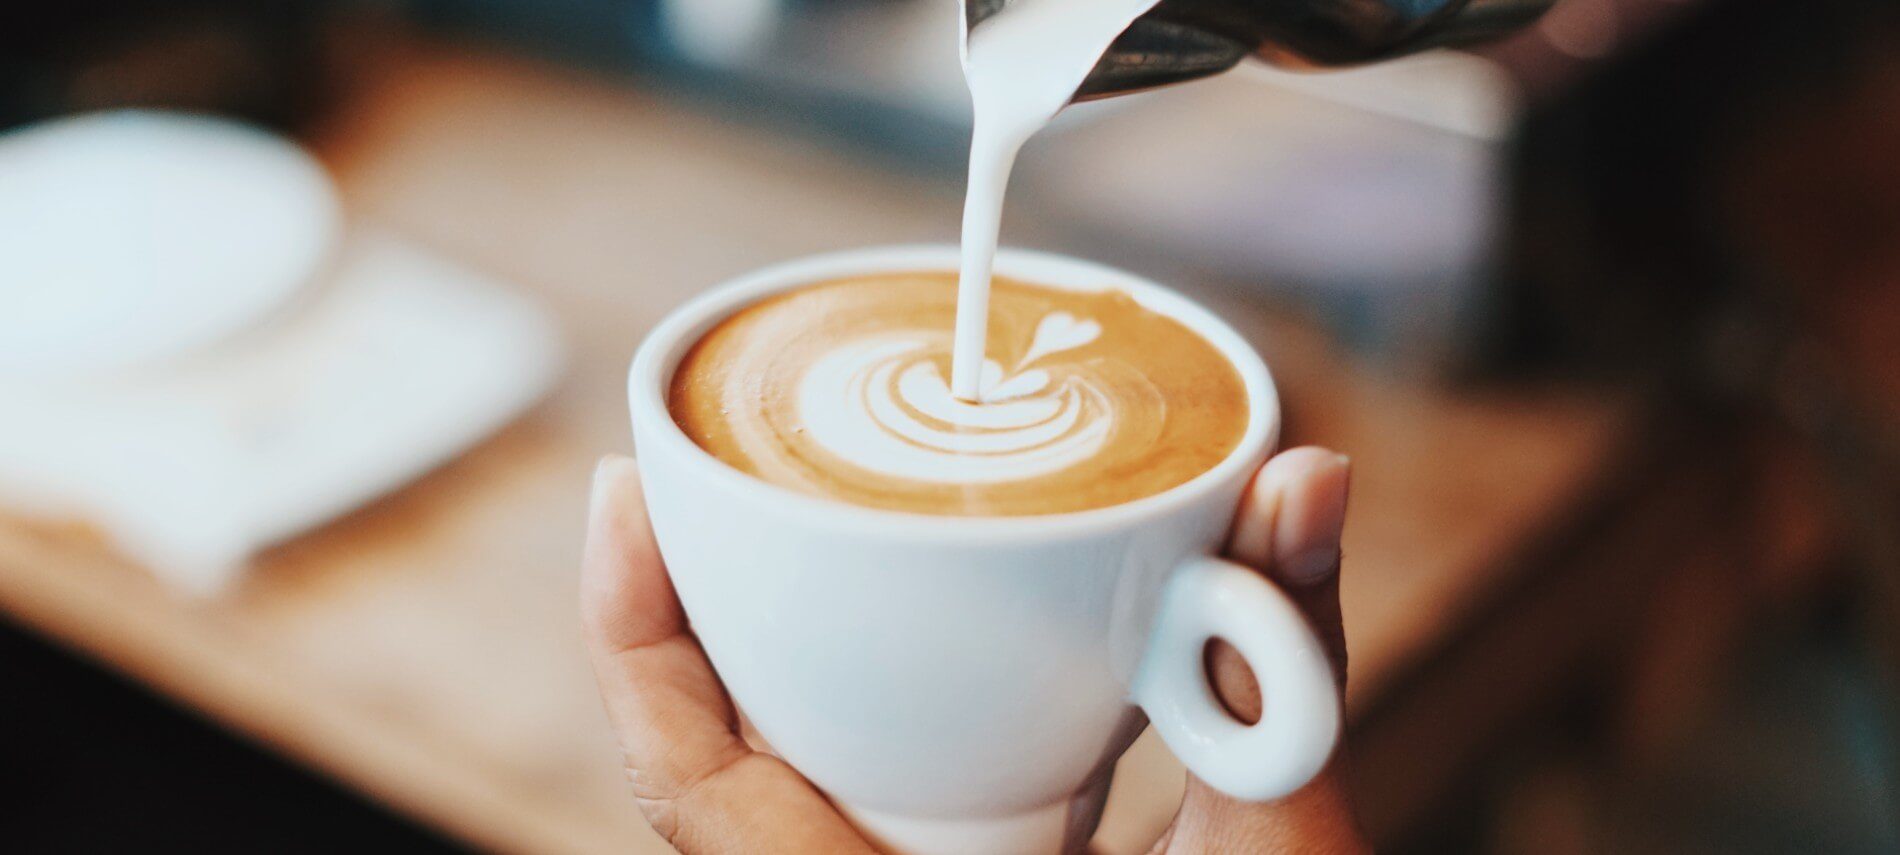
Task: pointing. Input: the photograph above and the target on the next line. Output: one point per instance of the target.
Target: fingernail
(1312, 518)
(607, 472)
(1251, 542)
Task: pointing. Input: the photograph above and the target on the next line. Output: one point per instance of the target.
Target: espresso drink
(842, 389)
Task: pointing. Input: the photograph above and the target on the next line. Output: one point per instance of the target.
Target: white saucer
(130, 237)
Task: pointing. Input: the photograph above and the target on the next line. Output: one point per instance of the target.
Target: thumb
(1288, 528)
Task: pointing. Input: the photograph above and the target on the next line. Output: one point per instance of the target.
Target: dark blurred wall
(1664, 191)
(260, 59)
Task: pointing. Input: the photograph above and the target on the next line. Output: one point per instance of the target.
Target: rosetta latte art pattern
(843, 390)
(883, 404)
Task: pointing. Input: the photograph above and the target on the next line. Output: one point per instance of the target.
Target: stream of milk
(1023, 64)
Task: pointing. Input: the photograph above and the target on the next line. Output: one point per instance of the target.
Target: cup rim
(650, 377)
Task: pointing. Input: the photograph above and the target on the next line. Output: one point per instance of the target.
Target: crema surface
(842, 390)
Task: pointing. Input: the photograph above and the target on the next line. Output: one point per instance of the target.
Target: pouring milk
(1023, 65)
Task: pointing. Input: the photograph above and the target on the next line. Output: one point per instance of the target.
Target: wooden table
(426, 650)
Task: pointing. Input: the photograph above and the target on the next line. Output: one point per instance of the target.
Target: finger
(1314, 487)
(1289, 527)
(696, 780)
(1291, 518)
(667, 706)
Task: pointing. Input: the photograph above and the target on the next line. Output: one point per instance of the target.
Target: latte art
(884, 404)
(843, 389)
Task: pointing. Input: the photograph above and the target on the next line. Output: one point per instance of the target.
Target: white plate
(129, 237)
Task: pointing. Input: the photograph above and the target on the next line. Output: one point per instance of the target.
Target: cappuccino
(842, 390)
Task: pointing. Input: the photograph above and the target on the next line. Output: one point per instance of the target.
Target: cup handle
(1210, 598)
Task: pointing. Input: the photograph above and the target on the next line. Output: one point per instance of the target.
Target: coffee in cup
(962, 681)
(842, 389)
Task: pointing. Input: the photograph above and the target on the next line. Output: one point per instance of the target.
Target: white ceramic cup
(965, 684)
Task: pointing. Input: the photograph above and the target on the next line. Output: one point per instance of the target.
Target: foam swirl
(883, 404)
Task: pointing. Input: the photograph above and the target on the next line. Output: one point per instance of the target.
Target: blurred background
(1607, 314)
